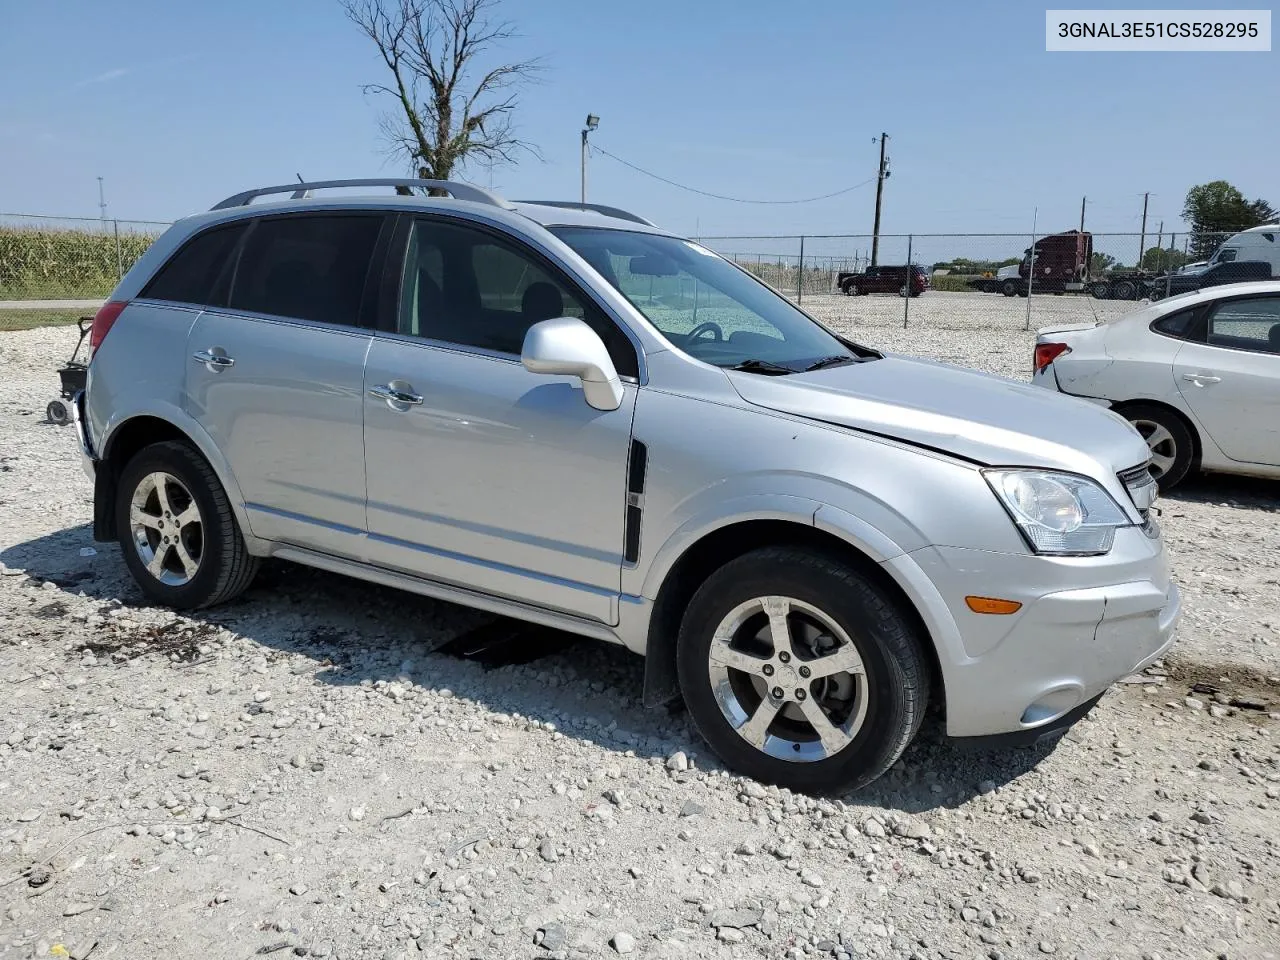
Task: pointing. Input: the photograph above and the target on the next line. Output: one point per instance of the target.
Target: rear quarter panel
(140, 365)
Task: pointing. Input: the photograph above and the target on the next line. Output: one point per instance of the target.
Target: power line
(718, 196)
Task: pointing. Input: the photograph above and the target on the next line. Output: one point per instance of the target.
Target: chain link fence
(980, 279)
(971, 280)
(68, 258)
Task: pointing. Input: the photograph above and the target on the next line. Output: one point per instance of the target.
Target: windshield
(704, 305)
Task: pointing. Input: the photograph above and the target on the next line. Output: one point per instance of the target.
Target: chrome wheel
(166, 528)
(1163, 447)
(788, 679)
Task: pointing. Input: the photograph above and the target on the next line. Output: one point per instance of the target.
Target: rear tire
(177, 531)
(1170, 442)
(1009, 288)
(854, 657)
(850, 289)
(1126, 290)
(1101, 290)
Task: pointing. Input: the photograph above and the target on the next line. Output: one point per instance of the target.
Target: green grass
(29, 319)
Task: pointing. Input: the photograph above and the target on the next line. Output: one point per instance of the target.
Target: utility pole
(1142, 242)
(102, 206)
(1083, 201)
(881, 177)
(592, 122)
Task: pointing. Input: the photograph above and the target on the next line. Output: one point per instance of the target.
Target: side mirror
(567, 347)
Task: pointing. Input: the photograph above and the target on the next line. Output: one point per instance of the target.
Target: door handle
(213, 361)
(1200, 379)
(385, 392)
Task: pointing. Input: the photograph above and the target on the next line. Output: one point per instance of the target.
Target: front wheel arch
(713, 551)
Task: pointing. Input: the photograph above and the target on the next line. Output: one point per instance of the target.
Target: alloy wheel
(788, 679)
(1163, 447)
(166, 528)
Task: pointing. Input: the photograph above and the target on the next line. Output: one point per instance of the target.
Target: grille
(1141, 487)
(1136, 476)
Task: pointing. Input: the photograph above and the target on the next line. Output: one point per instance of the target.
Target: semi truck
(1061, 264)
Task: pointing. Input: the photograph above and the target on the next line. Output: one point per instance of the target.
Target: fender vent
(637, 469)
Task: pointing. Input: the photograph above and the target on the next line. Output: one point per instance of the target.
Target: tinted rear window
(1180, 324)
(199, 272)
(309, 268)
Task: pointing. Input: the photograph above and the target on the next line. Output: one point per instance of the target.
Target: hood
(982, 418)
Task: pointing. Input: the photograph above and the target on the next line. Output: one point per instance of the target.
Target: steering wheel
(707, 327)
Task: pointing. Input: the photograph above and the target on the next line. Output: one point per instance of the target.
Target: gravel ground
(304, 773)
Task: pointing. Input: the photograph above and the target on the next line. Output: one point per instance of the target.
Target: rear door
(1231, 381)
(275, 376)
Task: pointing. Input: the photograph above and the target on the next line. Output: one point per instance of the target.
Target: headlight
(1060, 514)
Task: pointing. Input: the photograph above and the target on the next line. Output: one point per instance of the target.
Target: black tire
(57, 413)
(1125, 290)
(1101, 290)
(850, 289)
(225, 568)
(897, 672)
(1176, 443)
(1009, 288)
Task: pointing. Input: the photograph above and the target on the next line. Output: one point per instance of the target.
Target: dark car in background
(1231, 271)
(885, 280)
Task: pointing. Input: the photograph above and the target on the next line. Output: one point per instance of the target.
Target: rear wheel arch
(717, 548)
(1197, 443)
(127, 440)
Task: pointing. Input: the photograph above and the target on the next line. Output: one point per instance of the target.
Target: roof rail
(597, 207)
(459, 191)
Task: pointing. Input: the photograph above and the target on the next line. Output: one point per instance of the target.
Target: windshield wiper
(767, 367)
(831, 361)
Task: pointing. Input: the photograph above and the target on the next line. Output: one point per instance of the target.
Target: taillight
(1046, 353)
(102, 322)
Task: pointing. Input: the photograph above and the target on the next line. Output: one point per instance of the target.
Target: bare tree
(444, 116)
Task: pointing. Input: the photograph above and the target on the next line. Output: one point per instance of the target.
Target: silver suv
(562, 413)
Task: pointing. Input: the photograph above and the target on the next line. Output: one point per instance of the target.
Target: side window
(200, 271)
(465, 286)
(307, 267)
(1247, 325)
(1181, 324)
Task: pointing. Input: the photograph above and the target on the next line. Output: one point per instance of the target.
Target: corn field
(68, 263)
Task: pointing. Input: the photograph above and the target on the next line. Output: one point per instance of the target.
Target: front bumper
(1085, 623)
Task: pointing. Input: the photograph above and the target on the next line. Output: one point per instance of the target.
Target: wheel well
(719, 547)
(124, 443)
(1196, 449)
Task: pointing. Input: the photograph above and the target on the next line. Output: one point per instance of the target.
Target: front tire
(1009, 288)
(178, 534)
(800, 670)
(1170, 442)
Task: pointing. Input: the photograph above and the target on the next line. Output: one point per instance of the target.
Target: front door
(276, 377)
(480, 473)
(1231, 382)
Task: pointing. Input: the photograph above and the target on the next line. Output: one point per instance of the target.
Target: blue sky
(179, 104)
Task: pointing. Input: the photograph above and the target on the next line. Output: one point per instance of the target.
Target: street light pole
(102, 206)
(881, 176)
(592, 122)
